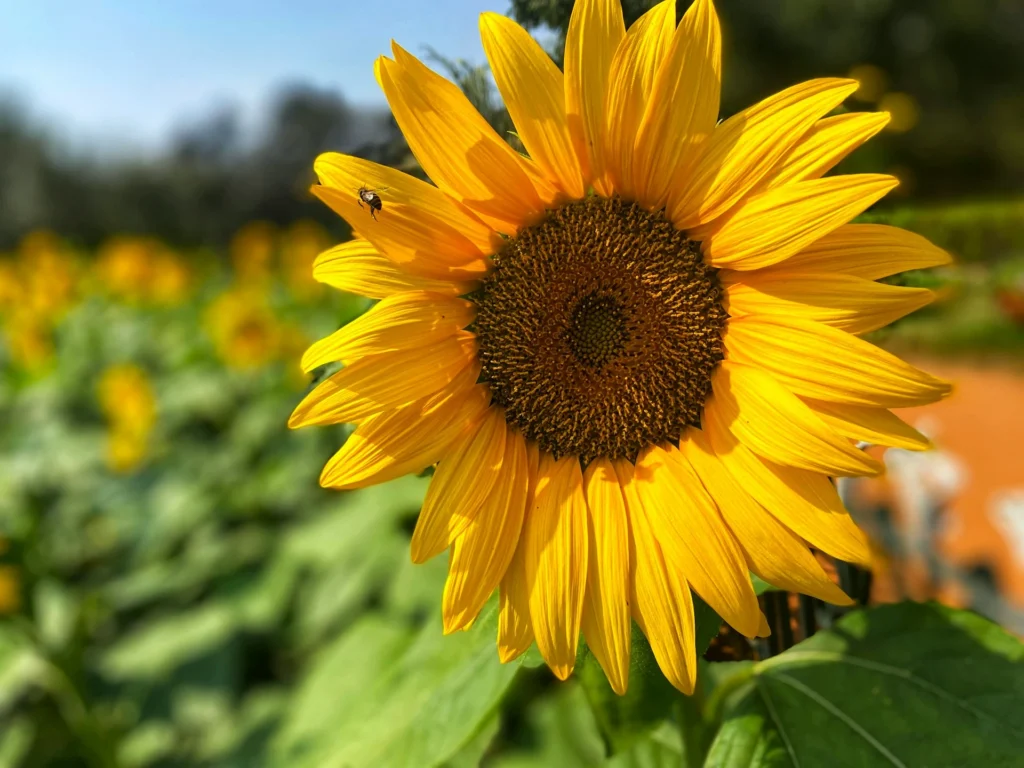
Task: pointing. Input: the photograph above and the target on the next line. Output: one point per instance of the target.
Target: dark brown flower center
(599, 328)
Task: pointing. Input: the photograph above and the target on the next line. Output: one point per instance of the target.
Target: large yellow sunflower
(633, 354)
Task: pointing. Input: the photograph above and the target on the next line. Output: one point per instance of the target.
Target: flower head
(634, 352)
(127, 400)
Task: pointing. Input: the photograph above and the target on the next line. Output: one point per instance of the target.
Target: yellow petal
(660, 597)
(556, 561)
(595, 31)
(482, 553)
(456, 147)
(871, 425)
(683, 107)
(772, 550)
(771, 227)
(814, 360)
(803, 501)
(774, 423)
(515, 632)
(383, 382)
(405, 196)
(630, 84)
(357, 267)
(606, 621)
(534, 93)
(744, 148)
(461, 483)
(407, 440)
(415, 242)
(823, 147)
(401, 321)
(693, 536)
(850, 304)
(868, 251)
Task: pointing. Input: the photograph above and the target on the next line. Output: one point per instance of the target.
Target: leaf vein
(902, 674)
(832, 709)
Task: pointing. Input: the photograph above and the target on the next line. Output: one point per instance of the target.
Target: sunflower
(633, 353)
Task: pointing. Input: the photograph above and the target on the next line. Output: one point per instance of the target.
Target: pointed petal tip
(561, 671)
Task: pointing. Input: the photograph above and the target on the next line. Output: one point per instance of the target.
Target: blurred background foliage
(175, 588)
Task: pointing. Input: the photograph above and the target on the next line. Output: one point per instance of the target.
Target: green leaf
(901, 685)
(650, 697)
(559, 730)
(21, 666)
(416, 707)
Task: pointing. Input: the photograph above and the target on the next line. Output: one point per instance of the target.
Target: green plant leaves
(380, 696)
(901, 685)
(650, 698)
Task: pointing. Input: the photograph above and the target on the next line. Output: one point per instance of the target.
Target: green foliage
(902, 685)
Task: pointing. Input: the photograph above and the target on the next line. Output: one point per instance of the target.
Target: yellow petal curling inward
(534, 93)
(630, 84)
(556, 561)
(595, 31)
(357, 267)
(774, 225)
(814, 360)
(461, 483)
(482, 553)
(694, 538)
(660, 597)
(606, 620)
(877, 426)
(382, 382)
(823, 147)
(805, 502)
(401, 321)
(867, 251)
(850, 304)
(774, 423)
(774, 552)
(407, 440)
(683, 106)
(515, 632)
(743, 149)
(460, 152)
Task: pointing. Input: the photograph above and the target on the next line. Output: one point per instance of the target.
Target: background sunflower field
(177, 590)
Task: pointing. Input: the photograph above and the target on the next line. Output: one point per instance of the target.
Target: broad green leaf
(897, 685)
(560, 730)
(473, 751)
(415, 708)
(16, 741)
(21, 666)
(650, 698)
(158, 646)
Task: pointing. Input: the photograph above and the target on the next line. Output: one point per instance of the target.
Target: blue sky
(128, 71)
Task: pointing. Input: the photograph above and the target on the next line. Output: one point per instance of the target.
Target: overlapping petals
(574, 549)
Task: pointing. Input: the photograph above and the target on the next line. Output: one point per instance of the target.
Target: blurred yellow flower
(48, 275)
(10, 284)
(10, 590)
(29, 340)
(903, 111)
(872, 81)
(244, 329)
(142, 269)
(252, 251)
(127, 400)
(300, 246)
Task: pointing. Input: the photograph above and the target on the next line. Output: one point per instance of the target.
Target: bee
(372, 199)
